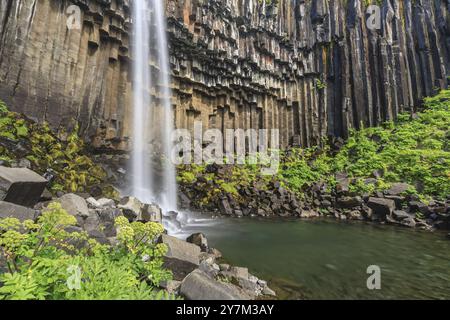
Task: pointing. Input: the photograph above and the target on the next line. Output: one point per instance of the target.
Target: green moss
(73, 168)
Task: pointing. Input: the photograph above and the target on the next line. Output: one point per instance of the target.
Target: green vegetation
(415, 150)
(45, 261)
(63, 153)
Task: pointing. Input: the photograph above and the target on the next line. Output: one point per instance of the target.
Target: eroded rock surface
(309, 68)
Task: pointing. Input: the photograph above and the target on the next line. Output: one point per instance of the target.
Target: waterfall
(153, 173)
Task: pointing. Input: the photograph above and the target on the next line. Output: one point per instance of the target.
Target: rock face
(51, 73)
(309, 68)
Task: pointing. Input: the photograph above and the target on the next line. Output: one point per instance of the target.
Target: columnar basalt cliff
(311, 68)
(57, 74)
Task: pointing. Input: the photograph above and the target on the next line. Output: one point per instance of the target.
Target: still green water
(324, 259)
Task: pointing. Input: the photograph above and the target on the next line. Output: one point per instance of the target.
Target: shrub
(45, 261)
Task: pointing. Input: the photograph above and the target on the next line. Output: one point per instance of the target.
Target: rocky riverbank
(397, 173)
(197, 273)
(392, 206)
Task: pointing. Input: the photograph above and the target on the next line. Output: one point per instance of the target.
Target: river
(326, 259)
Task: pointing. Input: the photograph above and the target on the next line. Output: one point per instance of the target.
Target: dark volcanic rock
(225, 208)
(316, 63)
(199, 286)
(182, 257)
(11, 210)
(397, 189)
(21, 186)
(198, 239)
(381, 207)
(349, 202)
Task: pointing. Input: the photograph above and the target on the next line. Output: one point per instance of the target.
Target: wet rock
(150, 213)
(269, 292)
(21, 186)
(408, 222)
(199, 286)
(308, 214)
(224, 267)
(216, 253)
(381, 207)
(181, 258)
(225, 208)
(355, 215)
(198, 239)
(107, 217)
(184, 200)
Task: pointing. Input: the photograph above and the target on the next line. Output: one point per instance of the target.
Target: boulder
(408, 222)
(74, 205)
(46, 196)
(171, 286)
(12, 210)
(268, 292)
(216, 253)
(106, 203)
(308, 214)
(398, 200)
(21, 186)
(417, 206)
(150, 213)
(224, 267)
(92, 222)
(342, 183)
(355, 215)
(239, 272)
(134, 210)
(93, 203)
(225, 207)
(181, 257)
(400, 214)
(198, 286)
(398, 189)
(199, 239)
(381, 207)
(131, 207)
(107, 217)
(349, 202)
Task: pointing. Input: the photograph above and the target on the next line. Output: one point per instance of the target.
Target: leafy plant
(47, 261)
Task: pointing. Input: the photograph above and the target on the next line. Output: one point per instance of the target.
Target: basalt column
(310, 68)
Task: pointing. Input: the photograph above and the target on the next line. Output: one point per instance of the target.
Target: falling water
(142, 175)
(152, 119)
(169, 196)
